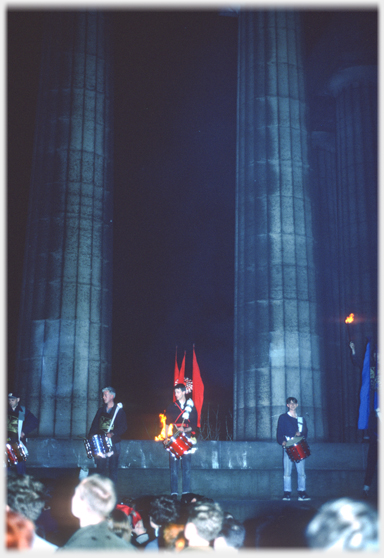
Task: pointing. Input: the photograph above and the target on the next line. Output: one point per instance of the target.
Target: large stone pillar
(326, 227)
(276, 338)
(342, 74)
(355, 92)
(64, 349)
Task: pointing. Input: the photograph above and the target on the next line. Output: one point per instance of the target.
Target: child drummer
(290, 426)
(182, 414)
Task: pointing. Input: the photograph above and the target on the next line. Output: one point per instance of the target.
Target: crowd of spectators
(94, 516)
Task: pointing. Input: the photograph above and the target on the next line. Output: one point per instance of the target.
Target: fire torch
(348, 320)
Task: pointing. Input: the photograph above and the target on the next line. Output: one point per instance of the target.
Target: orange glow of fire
(161, 436)
(350, 319)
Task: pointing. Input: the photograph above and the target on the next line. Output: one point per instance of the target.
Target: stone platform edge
(148, 454)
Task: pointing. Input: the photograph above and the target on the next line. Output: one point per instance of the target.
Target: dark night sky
(174, 183)
(174, 168)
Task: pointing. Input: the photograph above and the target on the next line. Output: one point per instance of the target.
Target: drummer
(289, 426)
(20, 423)
(110, 421)
(182, 413)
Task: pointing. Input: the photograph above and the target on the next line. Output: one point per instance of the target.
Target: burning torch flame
(161, 436)
(350, 319)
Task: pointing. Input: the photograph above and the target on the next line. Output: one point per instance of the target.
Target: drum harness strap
(187, 409)
(182, 411)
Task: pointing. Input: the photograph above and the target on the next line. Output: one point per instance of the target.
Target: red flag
(175, 375)
(182, 371)
(198, 387)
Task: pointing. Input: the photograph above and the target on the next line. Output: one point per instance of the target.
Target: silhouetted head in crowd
(231, 536)
(191, 499)
(162, 510)
(344, 524)
(173, 537)
(120, 524)
(26, 495)
(93, 500)
(20, 531)
(204, 523)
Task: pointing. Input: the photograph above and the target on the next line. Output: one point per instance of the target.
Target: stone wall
(220, 470)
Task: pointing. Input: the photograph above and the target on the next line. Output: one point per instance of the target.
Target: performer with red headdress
(182, 413)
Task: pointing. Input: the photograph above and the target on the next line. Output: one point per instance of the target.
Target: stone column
(355, 91)
(64, 350)
(326, 227)
(342, 77)
(276, 339)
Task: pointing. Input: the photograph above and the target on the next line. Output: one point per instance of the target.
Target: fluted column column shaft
(336, 371)
(64, 352)
(355, 91)
(356, 137)
(276, 341)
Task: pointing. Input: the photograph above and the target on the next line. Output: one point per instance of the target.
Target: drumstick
(182, 424)
(118, 407)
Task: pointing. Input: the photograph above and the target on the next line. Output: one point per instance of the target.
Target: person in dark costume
(181, 413)
(110, 421)
(370, 412)
(372, 457)
(20, 423)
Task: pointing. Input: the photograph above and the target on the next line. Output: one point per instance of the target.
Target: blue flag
(376, 396)
(364, 391)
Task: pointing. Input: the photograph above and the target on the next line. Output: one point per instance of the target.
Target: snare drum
(98, 446)
(178, 444)
(15, 453)
(297, 449)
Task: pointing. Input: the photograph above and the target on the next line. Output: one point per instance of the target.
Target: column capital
(353, 75)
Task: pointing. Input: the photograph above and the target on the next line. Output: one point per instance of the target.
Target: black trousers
(108, 466)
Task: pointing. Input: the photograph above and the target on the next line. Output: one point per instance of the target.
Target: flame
(161, 436)
(350, 319)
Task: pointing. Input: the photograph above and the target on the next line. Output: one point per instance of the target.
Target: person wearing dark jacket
(371, 469)
(289, 426)
(20, 423)
(163, 510)
(110, 421)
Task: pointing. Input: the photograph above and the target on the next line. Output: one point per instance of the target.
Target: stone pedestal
(220, 470)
